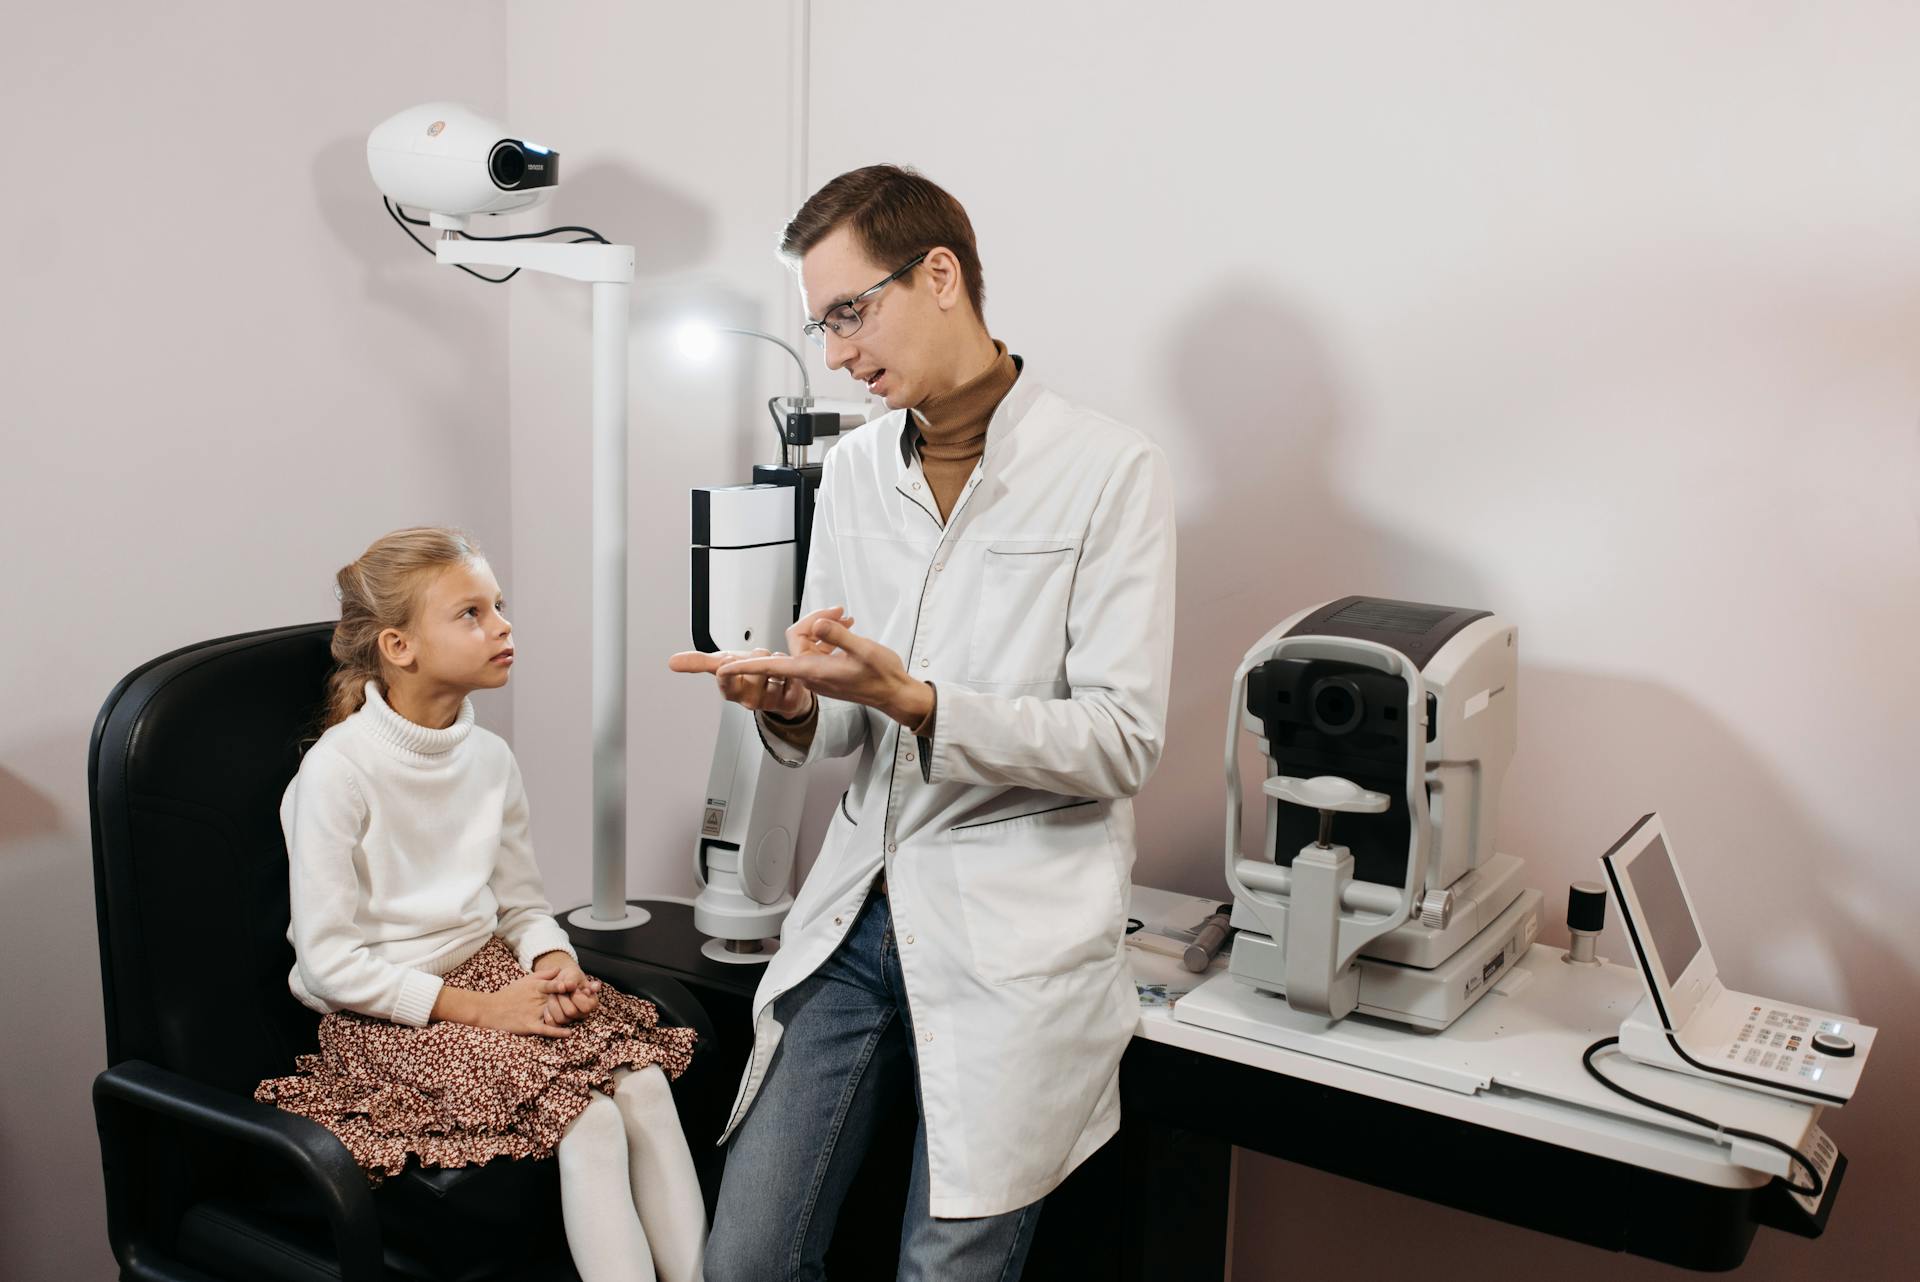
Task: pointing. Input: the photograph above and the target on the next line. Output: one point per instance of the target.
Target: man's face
(460, 635)
(901, 327)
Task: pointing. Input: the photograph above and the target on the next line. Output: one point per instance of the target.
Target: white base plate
(583, 917)
(717, 950)
(1524, 1039)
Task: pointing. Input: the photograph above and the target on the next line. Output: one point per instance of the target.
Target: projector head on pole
(454, 163)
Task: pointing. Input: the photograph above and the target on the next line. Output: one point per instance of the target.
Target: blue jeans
(847, 1050)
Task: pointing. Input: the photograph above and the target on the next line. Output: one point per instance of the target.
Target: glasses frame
(814, 329)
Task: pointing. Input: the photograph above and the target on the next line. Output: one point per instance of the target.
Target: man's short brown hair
(894, 213)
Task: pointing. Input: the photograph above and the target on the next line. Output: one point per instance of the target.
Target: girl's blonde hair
(382, 590)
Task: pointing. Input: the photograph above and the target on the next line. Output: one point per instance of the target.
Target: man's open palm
(837, 662)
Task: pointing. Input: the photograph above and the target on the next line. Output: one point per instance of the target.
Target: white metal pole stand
(609, 270)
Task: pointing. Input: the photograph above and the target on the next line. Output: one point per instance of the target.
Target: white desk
(1509, 1067)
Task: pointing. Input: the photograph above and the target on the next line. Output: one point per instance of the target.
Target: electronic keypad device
(1690, 1022)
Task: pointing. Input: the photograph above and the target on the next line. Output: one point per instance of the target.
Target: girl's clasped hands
(576, 994)
(561, 991)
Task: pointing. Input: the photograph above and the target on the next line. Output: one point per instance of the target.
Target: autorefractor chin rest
(1387, 727)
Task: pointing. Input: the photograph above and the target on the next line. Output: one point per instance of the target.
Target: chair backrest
(190, 756)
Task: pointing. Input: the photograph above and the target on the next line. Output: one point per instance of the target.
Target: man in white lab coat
(988, 623)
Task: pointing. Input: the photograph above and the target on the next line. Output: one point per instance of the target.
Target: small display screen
(1664, 907)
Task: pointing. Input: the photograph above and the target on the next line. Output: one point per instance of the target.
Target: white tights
(628, 1192)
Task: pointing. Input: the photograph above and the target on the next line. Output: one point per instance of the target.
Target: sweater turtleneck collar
(953, 425)
(408, 740)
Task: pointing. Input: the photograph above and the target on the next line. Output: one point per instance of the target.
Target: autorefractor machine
(1387, 728)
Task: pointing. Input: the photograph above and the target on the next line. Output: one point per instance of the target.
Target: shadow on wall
(1266, 530)
(25, 811)
(393, 279)
(666, 229)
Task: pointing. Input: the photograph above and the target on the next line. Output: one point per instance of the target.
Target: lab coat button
(923, 663)
(909, 758)
(891, 848)
(836, 921)
(909, 939)
(926, 1037)
(916, 485)
(937, 567)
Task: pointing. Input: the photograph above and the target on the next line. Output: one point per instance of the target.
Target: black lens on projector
(508, 165)
(1336, 705)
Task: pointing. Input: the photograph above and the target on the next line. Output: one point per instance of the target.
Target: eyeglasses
(844, 318)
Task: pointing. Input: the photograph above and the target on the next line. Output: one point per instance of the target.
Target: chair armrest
(321, 1159)
(678, 1005)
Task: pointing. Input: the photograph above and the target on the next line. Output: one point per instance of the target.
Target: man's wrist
(802, 719)
(914, 702)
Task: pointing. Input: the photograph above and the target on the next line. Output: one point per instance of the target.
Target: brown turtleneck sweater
(953, 427)
(951, 435)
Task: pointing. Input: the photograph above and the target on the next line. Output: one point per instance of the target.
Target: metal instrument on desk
(749, 565)
(1387, 725)
(1213, 933)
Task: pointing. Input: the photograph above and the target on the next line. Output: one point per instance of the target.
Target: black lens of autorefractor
(1337, 705)
(508, 165)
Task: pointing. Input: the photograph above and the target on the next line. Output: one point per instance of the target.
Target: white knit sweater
(407, 849)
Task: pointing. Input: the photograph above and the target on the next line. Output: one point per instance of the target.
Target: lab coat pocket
(1020, 617)
(1039, 893)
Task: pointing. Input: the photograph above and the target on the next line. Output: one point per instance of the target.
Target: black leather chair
(189, 758)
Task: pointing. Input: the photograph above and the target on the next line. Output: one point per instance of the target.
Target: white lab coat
(1043, 613)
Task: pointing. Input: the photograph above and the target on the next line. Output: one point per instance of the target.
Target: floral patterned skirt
(453, 1094)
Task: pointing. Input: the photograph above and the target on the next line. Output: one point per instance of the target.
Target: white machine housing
(745, 558)
(454, 163)
(1415, 935)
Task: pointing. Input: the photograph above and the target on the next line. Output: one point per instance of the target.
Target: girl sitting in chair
(458, 1025)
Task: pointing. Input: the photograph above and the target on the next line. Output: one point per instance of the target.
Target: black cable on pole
(400, 217)
(402, 220)
(779, 430)
(535, 235)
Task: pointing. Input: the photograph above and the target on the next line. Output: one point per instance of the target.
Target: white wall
(1599, 316)
(224, 372)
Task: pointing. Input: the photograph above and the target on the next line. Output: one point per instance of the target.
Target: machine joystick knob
(1586, 918)
(1587, 907)
(1833, 1044)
